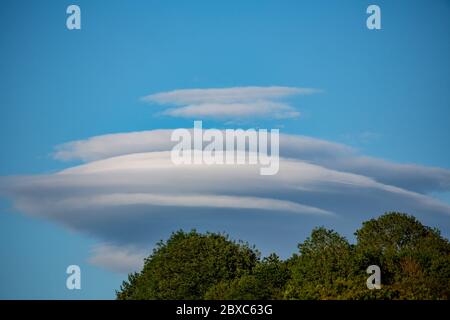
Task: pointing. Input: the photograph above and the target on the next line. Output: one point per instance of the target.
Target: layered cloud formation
(324, 153)
(128, 193)
(229, 103)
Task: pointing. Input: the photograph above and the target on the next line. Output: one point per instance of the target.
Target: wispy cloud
(122, 259)
(229, 103)
(232, 110)
(226, 95)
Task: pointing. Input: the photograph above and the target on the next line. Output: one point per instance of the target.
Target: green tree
(187, 265)
(414, 259)
(323, 268)
(265, 282)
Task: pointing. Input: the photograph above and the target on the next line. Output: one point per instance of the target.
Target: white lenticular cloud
(226, 95)
(109, 145)
(229, 103)
(328, 154)
(134, 195)
(128, 194)
(230, 110)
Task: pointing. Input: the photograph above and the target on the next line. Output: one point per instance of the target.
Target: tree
(323, 268)
(187, 265)
(414, 259)
(265, 282)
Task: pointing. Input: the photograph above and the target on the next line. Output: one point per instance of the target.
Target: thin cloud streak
(229, 103)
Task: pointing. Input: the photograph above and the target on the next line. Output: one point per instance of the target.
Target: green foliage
(322, 269)
(414, 261)
(187, 265)
(265, 282)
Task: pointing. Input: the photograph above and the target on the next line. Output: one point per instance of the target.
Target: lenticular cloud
(127, 193)
(229, 103)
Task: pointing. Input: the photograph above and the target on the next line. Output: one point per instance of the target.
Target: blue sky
(384, 93)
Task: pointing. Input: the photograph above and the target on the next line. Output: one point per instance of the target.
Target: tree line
(414, 260)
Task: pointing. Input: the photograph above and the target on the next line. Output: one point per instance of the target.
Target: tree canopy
(187, 265)
(414, 260)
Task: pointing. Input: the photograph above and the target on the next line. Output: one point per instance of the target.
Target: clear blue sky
(385, 92)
